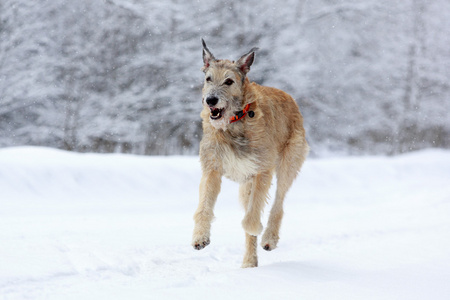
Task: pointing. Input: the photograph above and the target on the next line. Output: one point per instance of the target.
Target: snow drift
(89, 226)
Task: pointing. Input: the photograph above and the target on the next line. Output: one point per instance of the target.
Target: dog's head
(223, 85)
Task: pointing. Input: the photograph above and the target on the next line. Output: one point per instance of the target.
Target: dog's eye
(208, 78)
(229, 81)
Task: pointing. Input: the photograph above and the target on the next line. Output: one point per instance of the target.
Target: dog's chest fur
(233, 156)
(237, 167)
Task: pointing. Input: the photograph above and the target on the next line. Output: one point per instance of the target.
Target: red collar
(242, 114)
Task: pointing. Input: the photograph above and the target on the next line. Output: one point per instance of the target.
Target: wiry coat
(254, 145)
(248, 151)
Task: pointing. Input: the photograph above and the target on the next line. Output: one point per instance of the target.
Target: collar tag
(242, 114)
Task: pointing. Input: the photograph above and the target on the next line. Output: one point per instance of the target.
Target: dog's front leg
(209, 190)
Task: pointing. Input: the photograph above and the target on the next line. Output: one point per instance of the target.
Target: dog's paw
(201, 243)
(268, 247)
(252, 227)
(269, 241)
(250, 260)
(249, 265)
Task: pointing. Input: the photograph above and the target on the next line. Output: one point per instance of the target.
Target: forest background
(370, 77)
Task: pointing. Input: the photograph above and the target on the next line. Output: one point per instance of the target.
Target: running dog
(250, 133)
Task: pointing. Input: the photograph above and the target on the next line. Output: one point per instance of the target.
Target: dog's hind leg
(250, 257)
(209, 190)
(255, 202)
(289, 165)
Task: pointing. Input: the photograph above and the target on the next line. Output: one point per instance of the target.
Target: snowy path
(87, 226)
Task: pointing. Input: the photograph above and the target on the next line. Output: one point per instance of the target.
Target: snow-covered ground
(89, 226)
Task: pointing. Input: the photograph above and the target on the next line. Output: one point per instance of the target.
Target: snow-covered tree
(124, 76)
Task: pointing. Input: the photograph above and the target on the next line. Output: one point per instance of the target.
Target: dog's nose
(212, 100)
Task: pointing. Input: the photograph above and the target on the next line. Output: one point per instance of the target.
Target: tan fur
(248, 151)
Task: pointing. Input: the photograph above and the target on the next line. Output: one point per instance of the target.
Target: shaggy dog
(250, 133)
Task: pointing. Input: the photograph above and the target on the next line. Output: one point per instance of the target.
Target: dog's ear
(208, 57)
(246, 61)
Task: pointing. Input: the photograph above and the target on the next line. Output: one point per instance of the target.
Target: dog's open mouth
(216, 113)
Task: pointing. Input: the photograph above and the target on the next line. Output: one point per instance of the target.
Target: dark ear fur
(246, 61)
(208, 57)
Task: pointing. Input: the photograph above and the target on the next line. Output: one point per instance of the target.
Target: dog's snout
(212, 100)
